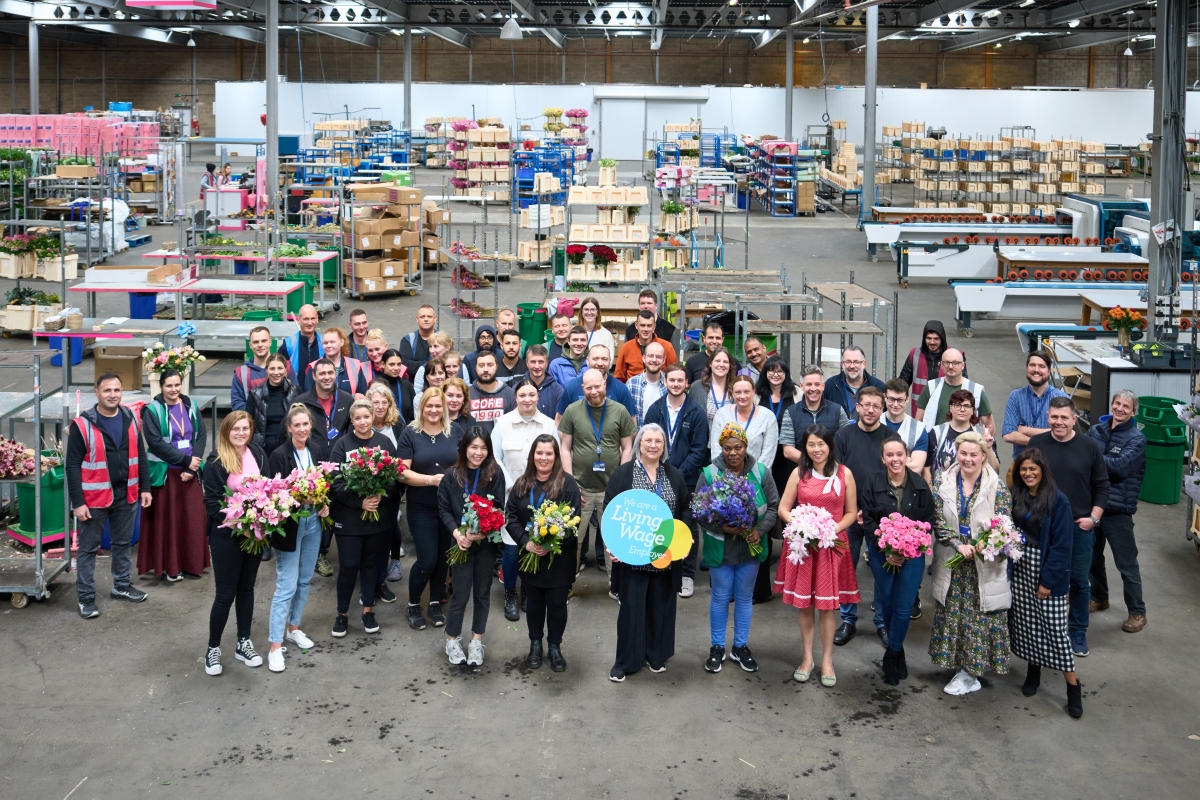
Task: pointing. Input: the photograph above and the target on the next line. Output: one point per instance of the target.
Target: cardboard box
(371, 242)
(75, 171)
(404, 195)
(366, 267)
(394, 239)
(368, 191)
(373, 285)
(125, 362)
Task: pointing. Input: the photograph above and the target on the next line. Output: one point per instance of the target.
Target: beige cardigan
(994, 591)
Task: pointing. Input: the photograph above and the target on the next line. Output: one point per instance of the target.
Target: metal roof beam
(451, 35)
(1078, 40)
(761, 40)
(1081, 9)
(979, 39)
(344, 33)
(530, 10)
(51, 32)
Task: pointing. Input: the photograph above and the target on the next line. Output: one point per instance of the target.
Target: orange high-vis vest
(93, 471)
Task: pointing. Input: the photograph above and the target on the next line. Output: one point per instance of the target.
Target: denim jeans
(736, 580)
(1081, 586)
(1117, 531)
(858, 538)
(509, 563)
(294, 571)
(895, 593)
(120, 516)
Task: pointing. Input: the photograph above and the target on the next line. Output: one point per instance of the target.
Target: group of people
(579, 420)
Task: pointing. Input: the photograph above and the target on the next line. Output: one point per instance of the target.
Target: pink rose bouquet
(811, 528)
(904, 537)
(258, 509)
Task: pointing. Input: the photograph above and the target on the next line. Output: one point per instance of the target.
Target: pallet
(138, 241)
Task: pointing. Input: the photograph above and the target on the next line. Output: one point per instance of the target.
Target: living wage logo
(638, 528)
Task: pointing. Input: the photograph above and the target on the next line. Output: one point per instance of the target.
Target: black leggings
(358, 554)
(394, 550)
(234, 573)
(431, 544)
(549, 605)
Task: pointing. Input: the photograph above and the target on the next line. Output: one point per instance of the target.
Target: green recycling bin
(52, 503)
(1164, 471)
(1156, 418)
(303, 297)
(531, 321)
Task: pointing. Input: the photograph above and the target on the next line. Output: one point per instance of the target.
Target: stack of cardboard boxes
(393, 238)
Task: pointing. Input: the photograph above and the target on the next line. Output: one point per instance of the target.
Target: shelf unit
(774, 176)
(413, 279)
(558, 161)
(638, 253)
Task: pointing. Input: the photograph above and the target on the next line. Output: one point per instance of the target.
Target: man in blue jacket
(686, 424)
(842, 388)
(599, 359)
(304, 347)
(1124, 449)
(549, 390)
(252, 374)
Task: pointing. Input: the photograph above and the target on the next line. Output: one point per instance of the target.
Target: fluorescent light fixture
(1027, 3)
(806, 40)
(511, 31)
(1073, 23)
(995, 12)
(999, 45)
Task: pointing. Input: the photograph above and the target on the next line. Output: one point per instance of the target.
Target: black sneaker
(436, 616)
(212, 661)
(246, 653)
(385, 594)
(716, 655)
(916, 609)
(742, 656)
(656, 668)
(369, 623)
(416, 620)
(88, 610)
(128, 592)
(616, 676)
(339, 626)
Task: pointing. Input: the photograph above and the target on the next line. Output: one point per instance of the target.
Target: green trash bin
(531, 321)
(303, 297)
(330, 269)
(52, 503)
(1156, 418)
(1164, 471)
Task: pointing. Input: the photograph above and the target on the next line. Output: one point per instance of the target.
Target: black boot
(510, 605)
(1033, 679)
(557, 662)
(1075, 699)
(901, 667)
(522, 594)
(534, 659)
(890, 676)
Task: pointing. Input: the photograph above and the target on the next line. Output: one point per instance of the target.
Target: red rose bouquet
(602, 255)
(576, 253)
(480, 516)
(368, 471)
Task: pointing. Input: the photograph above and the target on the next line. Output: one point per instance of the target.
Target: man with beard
(1025, 412)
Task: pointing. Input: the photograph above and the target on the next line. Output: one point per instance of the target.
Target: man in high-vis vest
(934, 401)
(107, 475)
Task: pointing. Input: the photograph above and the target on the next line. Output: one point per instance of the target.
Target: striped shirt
(1026, 408)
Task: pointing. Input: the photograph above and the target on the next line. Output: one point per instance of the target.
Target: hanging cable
(300, 61)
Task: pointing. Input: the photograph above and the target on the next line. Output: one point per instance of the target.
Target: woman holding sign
(646, 622)
(548, 585)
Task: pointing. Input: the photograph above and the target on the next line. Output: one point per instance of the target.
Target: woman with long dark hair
(776, 392)
(715, 387)
(474, 473)
(172, 543)
(547, 587)
(960, 418)
(403, 392)
(268, 404)
(825, 578)
(1037, 621)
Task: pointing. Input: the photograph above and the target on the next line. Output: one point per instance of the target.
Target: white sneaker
(275, 660)
(299, 638)
(212, 661)
(455, 652)
(971, 684)
(688, 588)
(959, 684)
(474, 653)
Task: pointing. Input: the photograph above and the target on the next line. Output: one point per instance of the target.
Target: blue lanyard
(535, 504)
(299, 461)
(467, 497)
(753, 408)
(671, 428)
(964, 502)
(475, 484)
(330, 431)
(776, 408)
(597, 431)
(713, 392)
(658, 485)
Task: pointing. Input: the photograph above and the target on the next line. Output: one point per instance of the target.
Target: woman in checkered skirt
(1041, 579)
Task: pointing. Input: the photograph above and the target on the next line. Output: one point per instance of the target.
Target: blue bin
(106, 540)
(242, 267)
(142, 305)
(76, 350)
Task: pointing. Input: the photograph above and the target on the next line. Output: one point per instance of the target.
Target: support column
(656, 54)
(237, 58)
(272, 79)
(103, 78)
(1091, 68)
(34, 74)
(1167, 156)
(868, 188)
(789, 82)
(407, 77)
(470, 64)
(987, 69)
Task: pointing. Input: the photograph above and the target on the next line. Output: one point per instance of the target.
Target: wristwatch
(1095, 521)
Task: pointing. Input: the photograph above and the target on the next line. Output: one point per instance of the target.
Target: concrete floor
(122, 704)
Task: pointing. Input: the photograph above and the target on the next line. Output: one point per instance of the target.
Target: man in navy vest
(304, 347)
(414, 347)
(107, 476)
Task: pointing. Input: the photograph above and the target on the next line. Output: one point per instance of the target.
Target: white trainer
(299, 638)
(688, 588)
(275, 660)
(474, 653)
(454, 651)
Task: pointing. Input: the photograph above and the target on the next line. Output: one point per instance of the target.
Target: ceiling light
(1027, 3)
(995, 12)
(1128, 50)
(806, 40)
(733, 2)
(999, 45)
(191, 42)
(511, 30)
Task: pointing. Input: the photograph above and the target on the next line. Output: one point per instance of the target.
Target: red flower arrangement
(602, 255)
(368, 472)
(480, 518)
(576, 253)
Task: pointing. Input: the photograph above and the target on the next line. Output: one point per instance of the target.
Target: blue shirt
(1026, 408)
(922, 438)
(614, 390)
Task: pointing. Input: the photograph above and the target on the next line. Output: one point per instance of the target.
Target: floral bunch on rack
(671, 207)
(49, 247)
(159, 358)
(464, 125)
(575, 113)
(608, 162)
(456, 144)
(17, 244)
(468, 279)
(16, 459)
(464, 309)
(433, 127)
(469, 252)
(460, 183)
(552, 112)
(27, 296)
(576, 253)
(602, 255)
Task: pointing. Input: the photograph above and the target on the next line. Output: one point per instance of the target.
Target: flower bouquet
(602, 255)
(552, 523)
(729, 500)
(310, 488)
(480, 515)
(811, 528)
(904, 537)
(576, 253)
(258, 509)
(159, 358)
(16, 460)
(368, 471)
(995, 541)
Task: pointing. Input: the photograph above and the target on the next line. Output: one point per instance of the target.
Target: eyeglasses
(847, 362)
(963, 406)
(896, 400)
(778, 369)
(946, 363)
(870, 407)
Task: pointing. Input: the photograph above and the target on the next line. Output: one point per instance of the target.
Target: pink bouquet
(904, 537)
(997, 540)
(16, 460)
(257, 509)
(811, 528)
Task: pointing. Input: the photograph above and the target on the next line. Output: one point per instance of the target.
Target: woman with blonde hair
(377, 344)
(589, 320)
(970, 621)
(439, 343)
(234, 570)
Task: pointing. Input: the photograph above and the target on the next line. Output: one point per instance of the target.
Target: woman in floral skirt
(970, 623)
(824, 579)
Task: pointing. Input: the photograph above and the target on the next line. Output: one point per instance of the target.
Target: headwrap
(732, 429)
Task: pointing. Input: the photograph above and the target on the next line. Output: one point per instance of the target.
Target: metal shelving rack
(414, 279)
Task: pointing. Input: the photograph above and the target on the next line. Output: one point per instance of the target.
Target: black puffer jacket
(1125, 456)
(256, 407)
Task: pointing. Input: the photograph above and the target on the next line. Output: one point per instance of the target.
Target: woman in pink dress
(825, 578)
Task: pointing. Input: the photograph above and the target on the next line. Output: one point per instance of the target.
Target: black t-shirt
(860, 450)
(431, 455)
(694, 367)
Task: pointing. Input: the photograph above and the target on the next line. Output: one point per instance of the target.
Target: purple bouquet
(729, 500)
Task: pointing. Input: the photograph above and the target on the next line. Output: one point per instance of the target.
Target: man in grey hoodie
(490, 399)
(485, 341)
